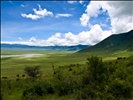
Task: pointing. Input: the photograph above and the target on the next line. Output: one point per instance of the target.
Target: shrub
(121, 89)
(65, 83)
(65, 86)
(33, 72)
(39, 89)
(87, 93)
(98, 72)
(95, 79)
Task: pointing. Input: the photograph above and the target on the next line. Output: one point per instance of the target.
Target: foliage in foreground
(33, 72)
(94, 80)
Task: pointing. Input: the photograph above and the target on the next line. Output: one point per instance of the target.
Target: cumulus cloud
(33, 39)
(90, 13)
(63, 15)
(38, 13)
(120, 13)
(91, 37)
(31, 16)
(84, 19)
(43, 12)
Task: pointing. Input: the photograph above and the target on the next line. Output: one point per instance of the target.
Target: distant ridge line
(115, 42)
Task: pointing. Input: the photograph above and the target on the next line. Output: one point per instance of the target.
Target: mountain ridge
(115, 42)
(68, 48)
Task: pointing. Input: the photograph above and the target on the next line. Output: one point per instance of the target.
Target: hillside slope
(116, 42)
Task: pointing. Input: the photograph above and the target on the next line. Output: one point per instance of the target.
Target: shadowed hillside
(116, 42)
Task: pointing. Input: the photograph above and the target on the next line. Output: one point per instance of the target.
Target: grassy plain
(11, 66)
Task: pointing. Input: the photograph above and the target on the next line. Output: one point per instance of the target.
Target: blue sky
(62, 22)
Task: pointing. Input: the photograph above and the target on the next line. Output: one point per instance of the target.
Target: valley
(102, 70)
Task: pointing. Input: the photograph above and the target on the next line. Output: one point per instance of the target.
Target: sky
(63, 23)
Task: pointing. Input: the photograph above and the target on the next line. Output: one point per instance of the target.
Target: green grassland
(11, 66)
(63, 61)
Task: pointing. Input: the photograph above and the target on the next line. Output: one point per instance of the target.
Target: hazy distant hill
(66, 48)
(123, 41)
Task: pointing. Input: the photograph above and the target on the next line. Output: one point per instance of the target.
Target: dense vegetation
(95, 80)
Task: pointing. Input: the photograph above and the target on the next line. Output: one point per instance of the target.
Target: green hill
(116, 42)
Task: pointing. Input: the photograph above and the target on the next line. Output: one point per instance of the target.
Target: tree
(33, 72)
(97, 70)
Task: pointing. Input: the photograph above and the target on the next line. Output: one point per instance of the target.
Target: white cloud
(33, 39)
(22, 5)
(81, 1)
(38, 13)
(103, 24)
(14, 42)
(91, 11)
(63, 15)
(71, 2)
(120, 13)
(84, 19)
(121, 25)
(31, 16)
(43, 12)
(91, 37)
(20, 38)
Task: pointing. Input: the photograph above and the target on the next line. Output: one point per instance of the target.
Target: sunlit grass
(11, 66)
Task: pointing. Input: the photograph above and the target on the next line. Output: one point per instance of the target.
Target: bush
(121, 89)
(65, 82)
(39, 89)
(33, 72)
(95, 80)
(98, 72)
(65, 86)
(87, 93)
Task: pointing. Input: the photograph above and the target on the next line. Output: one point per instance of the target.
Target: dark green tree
(95, 80)
(97, 70)
(33, 72)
